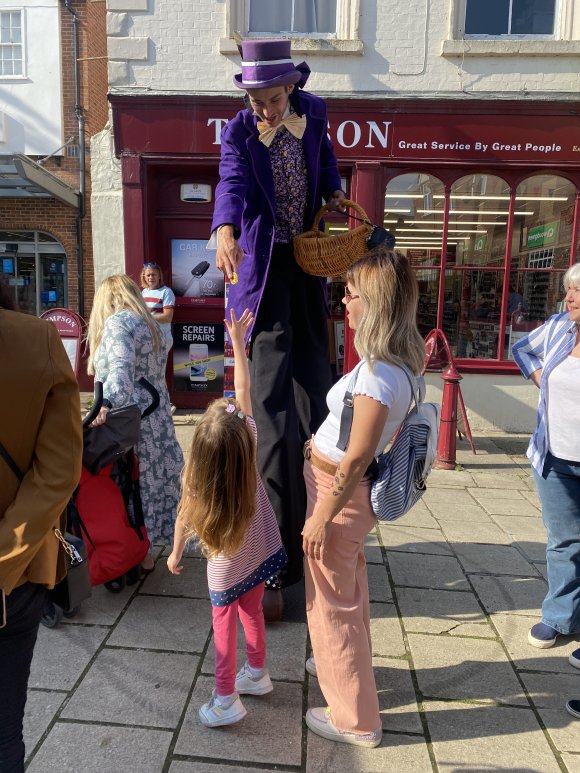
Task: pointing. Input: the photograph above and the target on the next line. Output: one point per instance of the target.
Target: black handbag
(103, 444)
(76, 587)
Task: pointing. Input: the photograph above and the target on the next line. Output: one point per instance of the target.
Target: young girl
(225, 507)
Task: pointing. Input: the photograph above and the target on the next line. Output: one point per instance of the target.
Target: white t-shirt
(157, 300)
(563, 416)
(387, 384)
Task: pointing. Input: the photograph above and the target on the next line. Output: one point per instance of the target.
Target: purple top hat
(267, 63)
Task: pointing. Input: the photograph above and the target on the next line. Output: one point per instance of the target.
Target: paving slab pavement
(455, 586)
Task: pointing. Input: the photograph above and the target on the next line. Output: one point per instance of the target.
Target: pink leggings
(225, 637)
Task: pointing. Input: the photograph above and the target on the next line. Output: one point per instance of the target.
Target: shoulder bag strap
(11, 463)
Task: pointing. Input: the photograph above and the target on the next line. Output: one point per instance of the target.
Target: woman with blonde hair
(381, 304)
(128, 350)
(225, 508)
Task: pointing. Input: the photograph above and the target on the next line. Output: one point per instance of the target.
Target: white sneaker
(250, 681)
(310, 666)
(221, 711)
(319, 721)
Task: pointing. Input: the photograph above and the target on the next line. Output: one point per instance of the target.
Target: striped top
(157, 300)
(260, 556)
(545, 347)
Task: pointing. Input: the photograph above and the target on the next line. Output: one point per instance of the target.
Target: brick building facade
(50, 218)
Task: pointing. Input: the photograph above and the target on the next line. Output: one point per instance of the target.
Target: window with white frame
(312, 17)
(525, 18)
(11, 50)
(325, 26)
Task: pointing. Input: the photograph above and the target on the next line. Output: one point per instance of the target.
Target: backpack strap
(348, 404)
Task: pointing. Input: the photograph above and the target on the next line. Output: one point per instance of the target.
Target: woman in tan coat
(40, 429)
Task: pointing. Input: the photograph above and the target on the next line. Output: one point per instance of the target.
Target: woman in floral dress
(126, 345)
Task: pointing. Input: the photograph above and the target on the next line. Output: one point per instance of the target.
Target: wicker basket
(319, 254)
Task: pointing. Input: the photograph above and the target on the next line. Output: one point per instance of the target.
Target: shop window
(413, 213)
(541, 247)
(11, 44)
(33, 265)
(471, 313)
(414, 207)
(510, 17)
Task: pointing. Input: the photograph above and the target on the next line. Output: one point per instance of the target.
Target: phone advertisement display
(198, 357)
(195, 279)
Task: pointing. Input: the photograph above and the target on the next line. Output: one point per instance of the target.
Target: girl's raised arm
(237, 331)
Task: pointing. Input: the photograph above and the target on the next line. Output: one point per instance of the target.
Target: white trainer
(219, 711)
(249, 681)
(310, 666)
(319, 721)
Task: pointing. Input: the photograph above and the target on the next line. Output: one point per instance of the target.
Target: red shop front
(483, 197)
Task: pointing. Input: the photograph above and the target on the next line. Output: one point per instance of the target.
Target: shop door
(25, 283)
(196, 364)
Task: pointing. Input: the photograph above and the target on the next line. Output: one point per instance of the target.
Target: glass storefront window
(468, 306)
(428, 280)
(414, 206)
(471, 312)
(33, 266)
(478, 218)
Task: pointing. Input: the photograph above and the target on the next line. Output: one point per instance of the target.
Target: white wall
(31, 105)
(106, 208)
(508, 403)
(174, 45)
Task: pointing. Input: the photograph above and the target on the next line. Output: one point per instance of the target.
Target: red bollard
(446, 444)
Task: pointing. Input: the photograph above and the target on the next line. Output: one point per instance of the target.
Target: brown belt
(316, 461)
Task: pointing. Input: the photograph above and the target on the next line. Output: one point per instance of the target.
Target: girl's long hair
(117, 293)
(218, 499)
(388, 328)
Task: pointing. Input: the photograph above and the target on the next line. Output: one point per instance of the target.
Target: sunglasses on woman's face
(150, 265)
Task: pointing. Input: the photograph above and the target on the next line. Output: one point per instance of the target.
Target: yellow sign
(205, 360)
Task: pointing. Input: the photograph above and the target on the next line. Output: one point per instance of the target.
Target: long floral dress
(125, 355)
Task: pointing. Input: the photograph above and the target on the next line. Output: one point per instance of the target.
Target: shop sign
(365, 129)
(480, 243)
(542, 235)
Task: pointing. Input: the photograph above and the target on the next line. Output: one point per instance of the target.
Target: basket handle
(347, 203)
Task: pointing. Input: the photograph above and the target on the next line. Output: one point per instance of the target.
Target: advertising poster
(198, 357)
(195, 279)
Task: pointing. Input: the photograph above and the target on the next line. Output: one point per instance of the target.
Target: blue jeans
(17, 639)
(559, 491)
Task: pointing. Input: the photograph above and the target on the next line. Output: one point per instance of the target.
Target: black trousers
(290, 372)
(17, 639)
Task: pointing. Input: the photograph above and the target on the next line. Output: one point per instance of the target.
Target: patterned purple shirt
(290, 184)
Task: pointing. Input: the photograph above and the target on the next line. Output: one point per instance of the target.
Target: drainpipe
(82, 160)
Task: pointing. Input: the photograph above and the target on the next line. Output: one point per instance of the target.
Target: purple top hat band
(267, 63)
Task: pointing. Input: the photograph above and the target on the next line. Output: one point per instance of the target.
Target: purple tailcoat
(245, 193)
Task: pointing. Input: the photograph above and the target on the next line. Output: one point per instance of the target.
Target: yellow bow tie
(295, 124)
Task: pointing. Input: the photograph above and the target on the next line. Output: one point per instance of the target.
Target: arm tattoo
(339, 479)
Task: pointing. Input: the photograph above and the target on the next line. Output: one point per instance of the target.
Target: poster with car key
(195, 278)
(198, 357)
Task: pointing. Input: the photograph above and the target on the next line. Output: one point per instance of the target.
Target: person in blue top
(550, 357)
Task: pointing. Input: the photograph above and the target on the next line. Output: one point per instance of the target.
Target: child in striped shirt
(225, 508)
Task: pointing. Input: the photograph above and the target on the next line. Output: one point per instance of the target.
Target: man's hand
(229, 253)
(335, 204)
